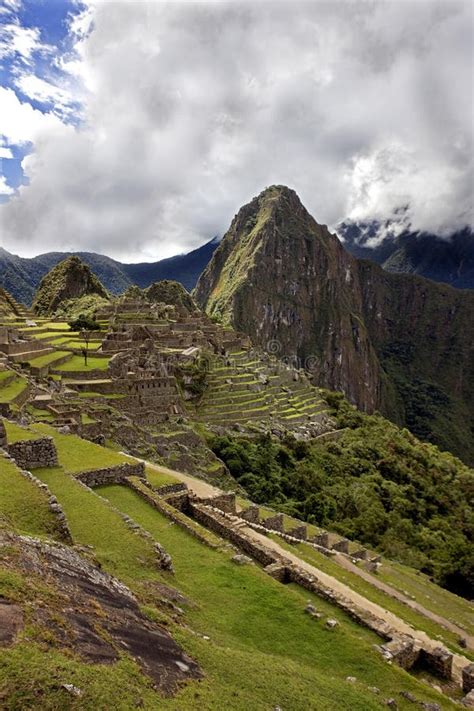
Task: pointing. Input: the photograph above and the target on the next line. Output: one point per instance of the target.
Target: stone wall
(34, 453)
(166, 489)
(468, 678)
(141, 488)
(252, 514)
(117, 474)
(224, 502)
(438, 661)
(274, 523)
(215, 521)
(402, 650)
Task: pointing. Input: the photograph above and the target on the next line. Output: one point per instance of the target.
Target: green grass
(76, 364)
(13, 389)
(94, 522)
(441, 601)
(15, 433)
(159, 478)
(352, 580)
(47, 359)
(263, 650)
(5, 374)
(87, 419)
(23, 505)
(78, 455)
(26, 672)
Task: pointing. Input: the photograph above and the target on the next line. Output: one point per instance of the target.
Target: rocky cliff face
(70, 279)
(397, 343)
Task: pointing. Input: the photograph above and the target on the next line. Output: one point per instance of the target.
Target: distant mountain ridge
(21, 276)
(449, 260)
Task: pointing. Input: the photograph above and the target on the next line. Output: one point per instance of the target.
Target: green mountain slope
(397, 343)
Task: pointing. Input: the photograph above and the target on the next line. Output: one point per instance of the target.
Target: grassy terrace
(33, 519)
(6, 375)
(48, 359)
(159, 478)
(11, 390)
(15, 433)
(417, 585)
(49, 325)
(352, 580)
(89, 394)
(78, 455)
(263, 650)
(76, 364)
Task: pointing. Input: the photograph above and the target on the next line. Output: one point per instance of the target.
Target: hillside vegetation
(68, 281)
(376, 483)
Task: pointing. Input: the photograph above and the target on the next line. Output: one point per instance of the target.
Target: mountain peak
(70, 279)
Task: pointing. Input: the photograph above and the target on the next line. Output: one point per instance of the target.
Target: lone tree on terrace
(85, 325)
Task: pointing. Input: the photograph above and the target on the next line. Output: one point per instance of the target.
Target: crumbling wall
(34, 453)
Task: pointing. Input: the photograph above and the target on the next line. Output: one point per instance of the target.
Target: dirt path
(393, 592)
(397, 624)
(198, 486)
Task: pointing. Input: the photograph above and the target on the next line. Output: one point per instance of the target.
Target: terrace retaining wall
(117, 474)
(34, 453)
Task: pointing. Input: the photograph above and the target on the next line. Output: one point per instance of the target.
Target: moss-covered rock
(70, 279)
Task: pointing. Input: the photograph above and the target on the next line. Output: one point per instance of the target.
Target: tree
(85, 325)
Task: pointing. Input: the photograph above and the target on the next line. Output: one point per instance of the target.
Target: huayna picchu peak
(396, 343)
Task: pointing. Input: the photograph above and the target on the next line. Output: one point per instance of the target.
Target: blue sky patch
(33, 40)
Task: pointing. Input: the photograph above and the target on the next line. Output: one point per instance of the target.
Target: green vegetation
(159, 476)
(48, 359)
(35, 518)
(370, 592)
(76, 364)
(376, 484)
(94, 522)
(78, 455)
(84, 322)
(15, 433)
(263, 650)
(13, 389)
(170, 292)
(66, 282)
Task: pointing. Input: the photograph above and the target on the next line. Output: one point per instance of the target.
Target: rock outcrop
(70, 279)
(395, 343)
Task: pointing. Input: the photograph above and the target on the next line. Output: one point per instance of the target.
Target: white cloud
(194, 108)
(5, 189)
(22, 41)
(44, 92)
(20, 123)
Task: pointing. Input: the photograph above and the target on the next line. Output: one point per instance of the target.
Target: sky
(138, 129)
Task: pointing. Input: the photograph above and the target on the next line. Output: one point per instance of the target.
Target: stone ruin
(149, 386)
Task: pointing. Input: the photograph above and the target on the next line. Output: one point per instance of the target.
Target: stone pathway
(397, 624)
(203, 489)
(344, 562)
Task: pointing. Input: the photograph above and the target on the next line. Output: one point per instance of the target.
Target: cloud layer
(190, 109)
